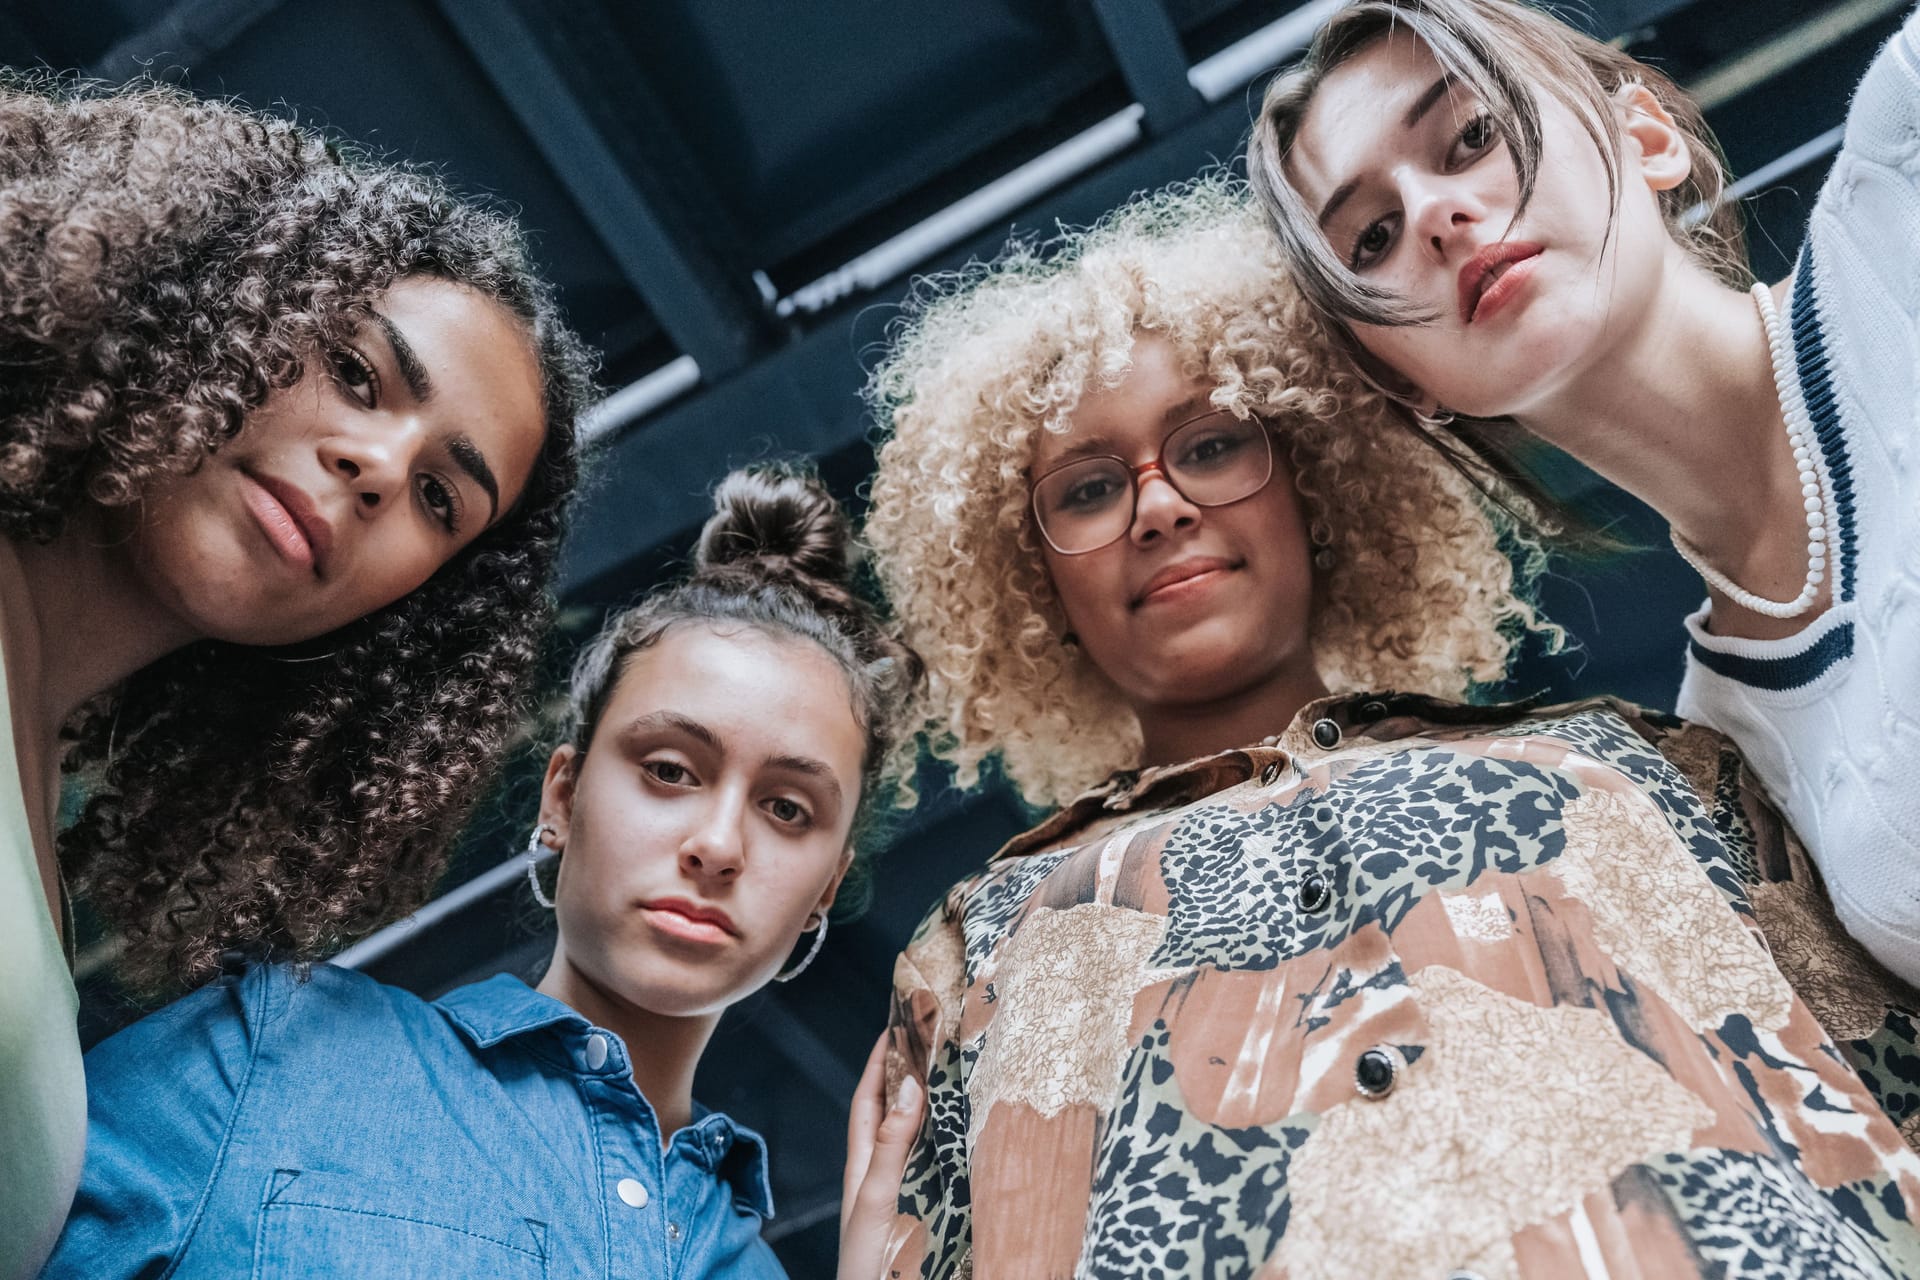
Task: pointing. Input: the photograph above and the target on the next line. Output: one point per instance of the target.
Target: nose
(1442, 215)
(1159, 509)
(714, 850)
(374, 462)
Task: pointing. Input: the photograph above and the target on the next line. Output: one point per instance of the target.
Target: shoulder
(1882, 119)
(234, 1016)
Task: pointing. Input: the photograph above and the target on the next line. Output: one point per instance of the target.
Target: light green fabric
(43, 1094)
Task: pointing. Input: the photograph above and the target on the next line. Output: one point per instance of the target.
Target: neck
(1172, 732)
(80, 585)
(664, 1051)
(1700, 439)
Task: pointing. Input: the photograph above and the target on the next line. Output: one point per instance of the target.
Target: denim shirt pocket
(352, 1227)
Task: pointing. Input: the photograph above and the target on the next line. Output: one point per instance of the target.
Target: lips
(689, 919)
(1482, 274)
(1181, 571)
(292, 524)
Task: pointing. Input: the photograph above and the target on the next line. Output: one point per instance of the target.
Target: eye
(355, 375)
(1212, 447)
(1476, 136)
(1095, 491)
(789, 812)
(669, 773)
(1373, 243)
(442, 501)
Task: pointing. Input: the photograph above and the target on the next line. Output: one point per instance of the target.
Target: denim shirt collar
(503, 1008)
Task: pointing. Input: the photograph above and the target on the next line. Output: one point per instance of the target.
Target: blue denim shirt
(276, 1128)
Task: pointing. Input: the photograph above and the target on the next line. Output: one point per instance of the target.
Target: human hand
(878, 1140)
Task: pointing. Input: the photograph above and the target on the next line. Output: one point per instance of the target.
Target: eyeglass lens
(1209, 461)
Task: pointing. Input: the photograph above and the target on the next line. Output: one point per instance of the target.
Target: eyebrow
(1195, 405)
(415, 373)
(656, 720)
(467, 456)
(1086, 447)
(815, 769)
(1415, 113)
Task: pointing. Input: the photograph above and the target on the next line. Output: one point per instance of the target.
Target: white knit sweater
(1830, 718)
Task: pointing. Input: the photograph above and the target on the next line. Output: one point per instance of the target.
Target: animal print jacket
(1425, 990)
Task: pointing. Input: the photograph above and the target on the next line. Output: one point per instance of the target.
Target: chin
(684, 995)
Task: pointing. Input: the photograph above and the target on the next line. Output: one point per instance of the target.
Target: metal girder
(1147, 45)
(185, 33)
(588, 118)
(653, 483)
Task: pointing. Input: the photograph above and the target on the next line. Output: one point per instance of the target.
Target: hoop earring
(1434, 421)
(537, 852)
(819, 937)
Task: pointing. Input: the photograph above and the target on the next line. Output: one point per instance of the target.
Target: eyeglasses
(1211, 461)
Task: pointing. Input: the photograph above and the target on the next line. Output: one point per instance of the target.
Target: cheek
(1077, 585)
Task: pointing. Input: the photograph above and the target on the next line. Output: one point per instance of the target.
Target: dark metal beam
(805, 398)
(1147, 44)
(184, 34)
(568, 85)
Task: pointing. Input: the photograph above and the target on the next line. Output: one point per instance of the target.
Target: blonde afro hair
(1420, 597)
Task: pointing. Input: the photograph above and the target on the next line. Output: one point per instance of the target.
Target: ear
(833, 885)
(1664, 159)
(556, 791)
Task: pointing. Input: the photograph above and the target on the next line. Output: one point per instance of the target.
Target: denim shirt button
(632, 1192)
(596, 1051)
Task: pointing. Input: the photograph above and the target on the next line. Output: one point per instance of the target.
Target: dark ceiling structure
(732, 195)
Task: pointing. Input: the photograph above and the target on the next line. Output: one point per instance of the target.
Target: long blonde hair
(1420, 595)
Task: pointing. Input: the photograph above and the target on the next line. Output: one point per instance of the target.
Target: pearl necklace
(1815, 492)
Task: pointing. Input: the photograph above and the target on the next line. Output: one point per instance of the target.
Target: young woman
(1322, 980)
(1505, 219)
(726, 741)
(284, 442)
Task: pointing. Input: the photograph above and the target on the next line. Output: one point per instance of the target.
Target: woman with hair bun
(1321, 972)
(285, 440)
(726, 743)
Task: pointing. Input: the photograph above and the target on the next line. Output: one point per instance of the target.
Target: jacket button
(1270, 774)
(1327, 734)
(1376, 1073)
(633, 1193)
(1314, 893)
(1373, 709)
(597, 1049)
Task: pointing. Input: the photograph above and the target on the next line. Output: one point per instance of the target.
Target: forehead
(1134, 410)
(485, 374)
(763, 695)
(1357, 113)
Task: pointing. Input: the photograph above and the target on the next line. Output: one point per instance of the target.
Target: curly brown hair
(166, 264)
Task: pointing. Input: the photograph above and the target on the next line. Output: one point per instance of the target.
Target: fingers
(887, 1161)
(864, 1118)
(867, 1212)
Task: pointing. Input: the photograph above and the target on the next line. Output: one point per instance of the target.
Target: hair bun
(778, 521)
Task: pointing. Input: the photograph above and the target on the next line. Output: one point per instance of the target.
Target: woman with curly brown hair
(1323, 973)
(284, 442)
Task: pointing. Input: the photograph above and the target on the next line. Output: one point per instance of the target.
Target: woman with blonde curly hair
(285, 438)
(1323, 973)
